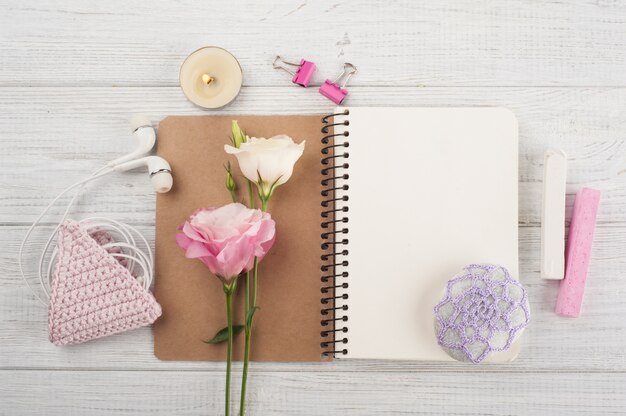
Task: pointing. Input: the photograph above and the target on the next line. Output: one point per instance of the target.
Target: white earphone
(161, 179)
(158, 168)
(143, 135)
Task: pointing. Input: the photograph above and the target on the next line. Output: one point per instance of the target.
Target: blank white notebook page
(430, 191)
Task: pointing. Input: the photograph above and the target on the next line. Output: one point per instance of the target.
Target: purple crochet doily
(484, 310)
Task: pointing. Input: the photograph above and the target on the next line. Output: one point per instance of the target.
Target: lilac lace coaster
(483, 311)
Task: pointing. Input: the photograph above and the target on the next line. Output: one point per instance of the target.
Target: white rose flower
(267, 162)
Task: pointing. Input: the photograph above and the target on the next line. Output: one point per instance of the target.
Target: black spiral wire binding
(334, 236)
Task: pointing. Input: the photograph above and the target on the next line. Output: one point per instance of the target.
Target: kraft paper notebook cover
(402, 199)
(287, 327)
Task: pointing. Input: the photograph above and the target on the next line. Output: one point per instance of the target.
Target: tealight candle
(211, 77)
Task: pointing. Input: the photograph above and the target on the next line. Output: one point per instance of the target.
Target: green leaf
(250, 316)
(222, 334)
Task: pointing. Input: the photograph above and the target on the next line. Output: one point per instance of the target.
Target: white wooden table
(73, 71)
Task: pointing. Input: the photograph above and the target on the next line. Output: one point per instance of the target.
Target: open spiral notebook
(385, 205)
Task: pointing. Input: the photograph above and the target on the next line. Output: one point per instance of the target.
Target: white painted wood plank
(408, 44)
(451, 42)
(62, 134)
(595, 341)
(95, 393)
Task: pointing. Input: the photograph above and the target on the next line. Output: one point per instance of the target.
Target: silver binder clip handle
(280, 63)
(348, 71)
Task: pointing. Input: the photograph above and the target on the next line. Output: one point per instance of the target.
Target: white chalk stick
(553, 215)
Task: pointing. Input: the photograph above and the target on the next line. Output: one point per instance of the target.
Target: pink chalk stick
(578, 251)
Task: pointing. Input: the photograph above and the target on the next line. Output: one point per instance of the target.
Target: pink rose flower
(227, 239)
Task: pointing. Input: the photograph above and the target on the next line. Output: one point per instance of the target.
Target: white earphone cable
(34, 225)
(56, 229)
(134, 254)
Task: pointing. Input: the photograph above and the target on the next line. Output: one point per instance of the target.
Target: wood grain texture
(451, 42)
(550, 343)
(73, 131)
(188, 393)
(72, 72)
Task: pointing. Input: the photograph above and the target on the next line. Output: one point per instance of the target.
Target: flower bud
(237, 136)
(231, 185)
(230, 182)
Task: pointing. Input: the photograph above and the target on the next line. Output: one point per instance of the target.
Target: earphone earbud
(144, 136)
(160, 176)
(158, 168)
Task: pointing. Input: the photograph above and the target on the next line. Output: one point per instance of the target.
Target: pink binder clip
(332, 90)
(303, 74)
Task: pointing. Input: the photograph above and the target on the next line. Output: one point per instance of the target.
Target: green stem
(255, 274)
(250, 194)
(244, 376)
(233, 195)
(248, 323)
(246, 351)
(248, 342)
(229, 289)
(247, 293)
(256, 260)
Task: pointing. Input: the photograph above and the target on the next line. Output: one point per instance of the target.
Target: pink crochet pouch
(93, 295)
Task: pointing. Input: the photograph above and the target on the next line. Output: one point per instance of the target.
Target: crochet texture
(483, 311)
(92, 294)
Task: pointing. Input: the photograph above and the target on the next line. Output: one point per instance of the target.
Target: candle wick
(207, 79)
